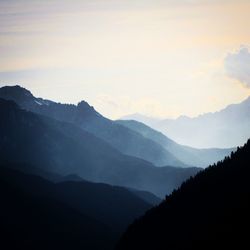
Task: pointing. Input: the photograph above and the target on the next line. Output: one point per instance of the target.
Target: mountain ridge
(85, 116)
(209, 130)
(208, 211)
(65, 214)
(189, 155)
(62, 148)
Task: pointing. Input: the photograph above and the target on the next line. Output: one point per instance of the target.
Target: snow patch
(39, 103)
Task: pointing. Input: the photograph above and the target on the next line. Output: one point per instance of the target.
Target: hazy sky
(160, 57)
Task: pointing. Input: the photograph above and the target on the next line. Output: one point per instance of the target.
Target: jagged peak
(83, 105)
(85, 108)
(16, 90)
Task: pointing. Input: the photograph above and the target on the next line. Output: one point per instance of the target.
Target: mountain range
(210, 130)
(209, 211)
(189, 155)
(85, 116)
(65, 187)
(72, 179)
(126, 139)
(54, 147)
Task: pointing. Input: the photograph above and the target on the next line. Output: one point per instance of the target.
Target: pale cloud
(237, 65)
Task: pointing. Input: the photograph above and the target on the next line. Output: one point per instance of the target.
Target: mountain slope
(62, 148)
(150, 121)
(209, 211)
(209, 130)
(190, 156)
(144, 195)
(39, 214)
(125, 140)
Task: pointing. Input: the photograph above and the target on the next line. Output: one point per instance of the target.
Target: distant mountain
(141, 118)
(223, 129)
(38, 214)
(209, 211)
(125, 140)
(190, 156)
(60, 148)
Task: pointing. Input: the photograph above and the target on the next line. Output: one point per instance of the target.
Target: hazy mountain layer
(224, 129)
(63, 148)
(125, 140)
(190, 156)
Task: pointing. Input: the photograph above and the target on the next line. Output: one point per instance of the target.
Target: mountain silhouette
(209, 211)
(190, 156)
(38, 214)
(61, 148)
(85, 116)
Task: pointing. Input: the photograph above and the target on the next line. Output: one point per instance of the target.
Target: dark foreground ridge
(209, 211)
(38, 214)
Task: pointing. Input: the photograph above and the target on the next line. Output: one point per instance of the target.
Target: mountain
(150, 121)
(209, 211)
(83, 115)
(60, 148)
(38, 214)
(208, 130)
(190, 156)
(144, 195)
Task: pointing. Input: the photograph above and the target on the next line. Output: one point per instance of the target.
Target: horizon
(160, 59)
(126, 115)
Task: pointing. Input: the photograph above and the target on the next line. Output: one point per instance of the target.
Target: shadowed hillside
(190, 156)
(38, 214)
(209, 211)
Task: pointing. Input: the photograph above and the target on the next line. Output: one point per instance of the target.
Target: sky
(160, 58)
